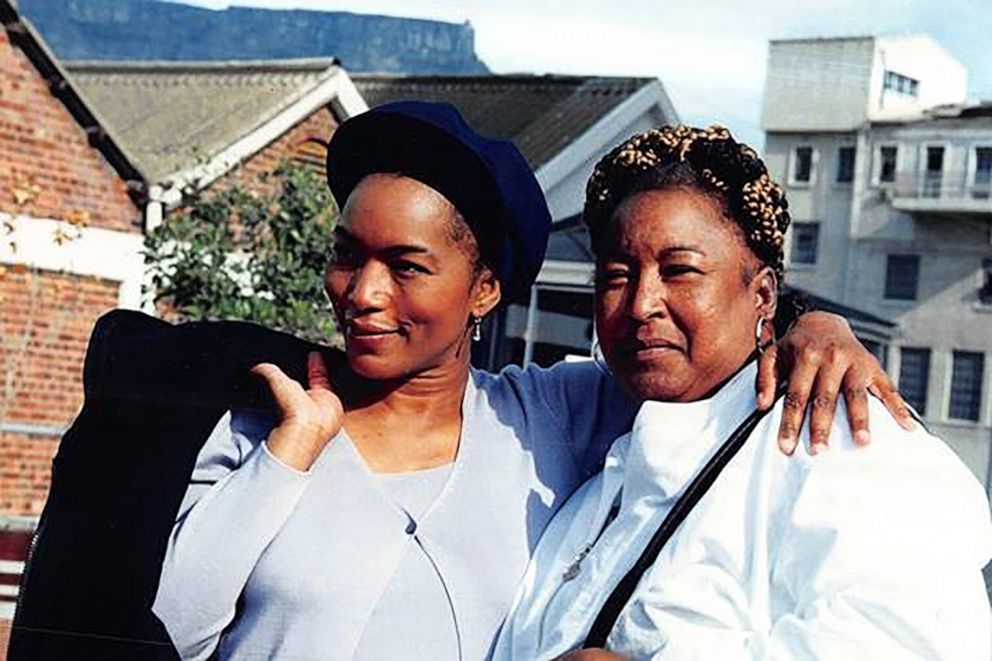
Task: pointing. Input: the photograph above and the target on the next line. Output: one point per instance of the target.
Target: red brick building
(90, 159)
(68, 192)
(179, 124)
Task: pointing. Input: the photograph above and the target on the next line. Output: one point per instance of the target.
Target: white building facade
(888, 171)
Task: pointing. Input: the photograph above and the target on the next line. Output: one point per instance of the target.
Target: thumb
(285, 390)
(317, 375)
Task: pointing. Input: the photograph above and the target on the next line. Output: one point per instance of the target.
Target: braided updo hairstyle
(707, 160)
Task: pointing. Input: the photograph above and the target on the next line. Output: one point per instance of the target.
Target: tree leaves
(244, 254)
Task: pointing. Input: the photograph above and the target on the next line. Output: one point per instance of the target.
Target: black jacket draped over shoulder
(153, 393)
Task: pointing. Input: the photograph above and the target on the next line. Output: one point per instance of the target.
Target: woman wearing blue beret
(393, 513)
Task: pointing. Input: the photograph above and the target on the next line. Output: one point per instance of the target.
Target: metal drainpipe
(530, 330)
(154, 208)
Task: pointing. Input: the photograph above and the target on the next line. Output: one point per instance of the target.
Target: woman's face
(402, 282)
(678, 296)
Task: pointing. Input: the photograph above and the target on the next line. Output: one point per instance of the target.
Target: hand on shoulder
(309, 418)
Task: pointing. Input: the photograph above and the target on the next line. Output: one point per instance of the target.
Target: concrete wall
(859, 229)
(837, 84)
(817, 84)
(942, 78)
(823, 200)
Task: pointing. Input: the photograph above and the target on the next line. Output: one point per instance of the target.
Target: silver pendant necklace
(575, 568)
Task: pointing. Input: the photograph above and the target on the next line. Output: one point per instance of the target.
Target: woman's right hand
(308, 418)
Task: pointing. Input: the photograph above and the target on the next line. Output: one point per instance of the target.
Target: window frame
(816, 245)
(972, 169)
(912, 84)
(876, 176)
(984, 280)
(950, 387)
(923, 351)
(921, 183)
(846, 183)
(793, 163)
(916, 288)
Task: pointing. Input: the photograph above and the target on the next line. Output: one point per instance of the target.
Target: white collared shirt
(871, 552)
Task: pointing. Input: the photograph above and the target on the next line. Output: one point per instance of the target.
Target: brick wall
(318, 126)
(47, 167)
(43, 334)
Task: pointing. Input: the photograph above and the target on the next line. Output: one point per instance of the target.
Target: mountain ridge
(171, 31)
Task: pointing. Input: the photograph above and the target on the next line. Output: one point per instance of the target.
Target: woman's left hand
(821, 358)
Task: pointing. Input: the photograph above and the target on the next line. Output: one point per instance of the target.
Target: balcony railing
(934, 192)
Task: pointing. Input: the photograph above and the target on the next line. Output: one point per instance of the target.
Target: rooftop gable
(542, 115)
(176, 116)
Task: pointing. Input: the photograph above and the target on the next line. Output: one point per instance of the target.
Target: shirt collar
(671, 441)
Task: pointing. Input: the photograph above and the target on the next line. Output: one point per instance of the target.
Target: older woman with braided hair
(699, 539)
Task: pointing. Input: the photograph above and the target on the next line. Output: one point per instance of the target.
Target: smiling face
(678, 295)
(403, 279)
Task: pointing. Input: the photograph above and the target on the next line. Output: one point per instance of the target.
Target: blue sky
(709, 53)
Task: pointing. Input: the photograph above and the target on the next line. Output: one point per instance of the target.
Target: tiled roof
(541, 114)
(172, 114)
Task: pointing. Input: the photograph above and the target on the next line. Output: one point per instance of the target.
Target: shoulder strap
(618, 599)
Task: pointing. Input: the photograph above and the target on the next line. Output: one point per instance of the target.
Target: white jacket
(857, 553)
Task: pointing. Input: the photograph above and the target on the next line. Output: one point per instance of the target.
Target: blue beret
(488, 181)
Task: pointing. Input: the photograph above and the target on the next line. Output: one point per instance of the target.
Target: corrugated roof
(172, 114)
(542, 115)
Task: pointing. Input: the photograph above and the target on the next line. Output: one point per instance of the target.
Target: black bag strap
(608, 614)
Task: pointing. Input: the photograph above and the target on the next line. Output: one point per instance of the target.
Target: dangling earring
(758, 330)
(476, 328)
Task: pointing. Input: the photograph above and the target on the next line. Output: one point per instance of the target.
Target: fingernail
(788, 444)
(862, 437)
(817, 448)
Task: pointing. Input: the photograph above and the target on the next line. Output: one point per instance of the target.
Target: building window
(805, 237)
(982, 185)
(802, 165)
(933, 177)
(985, 292)
(966, 385)
(845, 165)
(914, 377)
(901, 84)
(311, 152)
(879, 350)
(887, 163)
(902, 277)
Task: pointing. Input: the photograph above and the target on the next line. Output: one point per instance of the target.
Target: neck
(407, 424)
(714, 390)
(434, 392)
